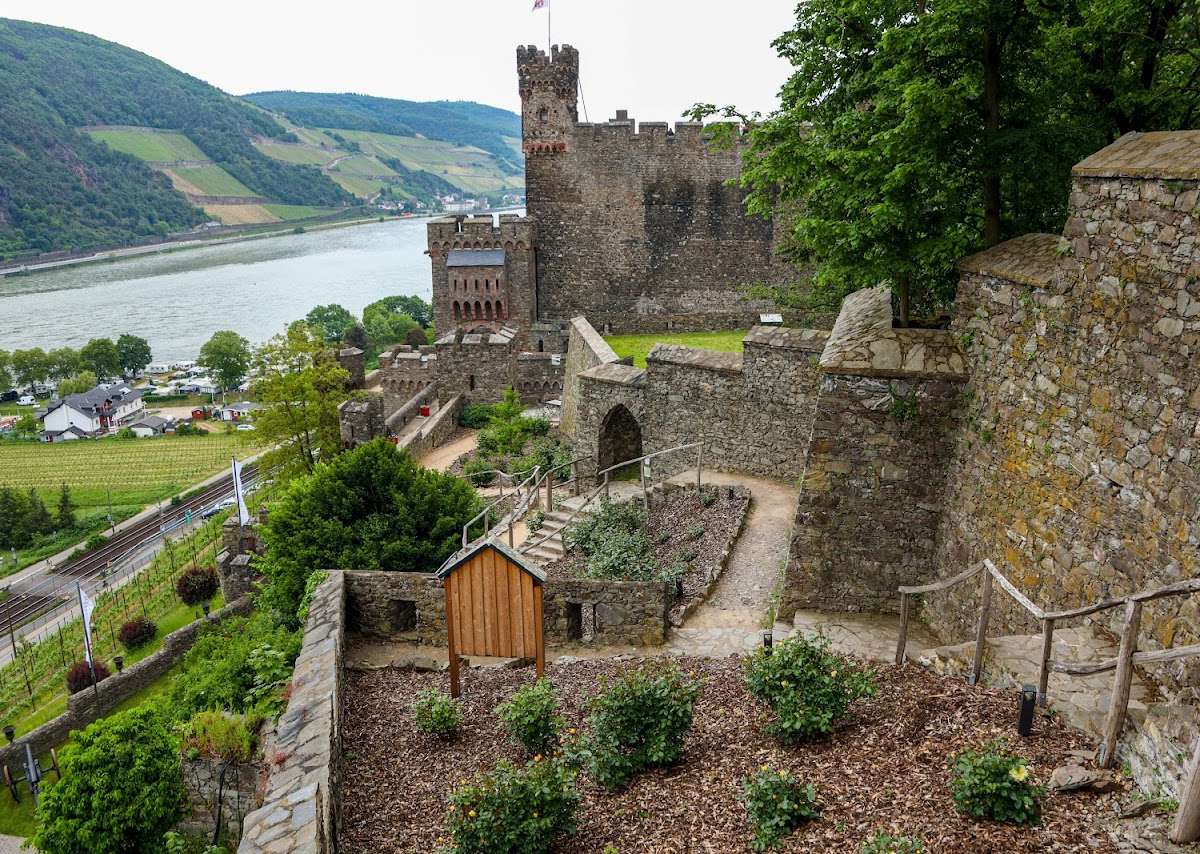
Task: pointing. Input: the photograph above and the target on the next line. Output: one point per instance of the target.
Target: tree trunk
(991, 133)
(904, 292)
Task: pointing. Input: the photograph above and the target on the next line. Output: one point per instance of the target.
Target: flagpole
(87, 638)
(549, 40)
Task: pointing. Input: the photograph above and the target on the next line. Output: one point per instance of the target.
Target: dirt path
(442, 457)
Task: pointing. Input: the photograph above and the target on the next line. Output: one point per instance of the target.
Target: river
(177, 300)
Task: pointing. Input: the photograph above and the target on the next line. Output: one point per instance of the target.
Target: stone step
(543, 553)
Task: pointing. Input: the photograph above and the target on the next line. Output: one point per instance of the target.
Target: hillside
(102, 145)
(412, 150)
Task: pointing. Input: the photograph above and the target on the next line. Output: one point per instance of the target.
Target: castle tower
(549, 87)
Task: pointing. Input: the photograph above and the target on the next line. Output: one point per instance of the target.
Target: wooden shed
(493, 606)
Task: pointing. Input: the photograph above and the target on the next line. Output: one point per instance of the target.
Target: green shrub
(637, 723)
(310, 589)
(94, 541)
(776, 804)
(436, 713)
(614, 543)
(228, 667)
(992, 783)
(695, 532)
(514, 810)
(535, 520)
(531, 717)
(79, 675)
(476, 415)
(479, 472)
(220, 735)
(807, 687)
(883, 843)
(121, 788)
(179, 843)
(708, 498)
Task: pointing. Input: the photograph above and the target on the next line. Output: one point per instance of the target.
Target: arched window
(487, 309)
(499, 310)
(478, 310)
(487, 285)
(541, 346)
(543, 114)
(456, 315)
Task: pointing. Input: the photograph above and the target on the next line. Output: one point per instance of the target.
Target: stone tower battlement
(549, 87)
(624, 133)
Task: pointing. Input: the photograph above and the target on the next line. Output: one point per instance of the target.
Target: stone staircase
(553, 548)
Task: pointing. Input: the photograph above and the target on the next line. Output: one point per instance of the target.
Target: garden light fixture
(768, 640)
(10, 733)
(1025, 715)
(119, 661)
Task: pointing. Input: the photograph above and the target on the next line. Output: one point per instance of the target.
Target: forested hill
(59, 189)
(461, 122)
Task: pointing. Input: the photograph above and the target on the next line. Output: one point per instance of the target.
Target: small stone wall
(606, 612)
(91, 705)
(410, 410)
(354, 362)
(361, 420)
(210, 783)
(301, 806)
(406, 606)
(440, 427)
(871, 498)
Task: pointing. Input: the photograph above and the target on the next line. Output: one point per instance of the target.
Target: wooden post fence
(1122, 682)
(985, 608)
(903, 643)
(1187, 821)
(1047, 648)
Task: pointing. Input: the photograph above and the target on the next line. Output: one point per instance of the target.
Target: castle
(638, 227)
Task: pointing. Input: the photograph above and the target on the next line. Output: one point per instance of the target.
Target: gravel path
(443, 456)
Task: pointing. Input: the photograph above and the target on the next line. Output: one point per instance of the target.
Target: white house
(92, 413)
(240, 411)
(158, 368)
(151, 425)
(183, 365)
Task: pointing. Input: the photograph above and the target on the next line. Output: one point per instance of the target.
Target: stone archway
(620, 438)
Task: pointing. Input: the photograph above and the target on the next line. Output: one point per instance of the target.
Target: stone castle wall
(1078, 464)
(638, 227)
(585, 350)
(871, 496)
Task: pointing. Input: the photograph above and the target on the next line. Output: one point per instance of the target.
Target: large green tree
(77, 383)
(134, 354)
(64, 362)
(6, 374)
(100, 356)
(227, 355)
(390, 319)
(371, 508)
(332, 321)
(30, 366)
(300, 384)
(912, 133)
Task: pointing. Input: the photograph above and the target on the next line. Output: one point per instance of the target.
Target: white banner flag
(540, 4)
(243, 513)
(87, 606)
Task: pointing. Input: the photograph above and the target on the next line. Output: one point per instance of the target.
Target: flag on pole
(86, 605)
(540, 4)
(243, 513)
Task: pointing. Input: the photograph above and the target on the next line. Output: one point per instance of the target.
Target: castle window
(499, 310)
(541, 346)
(543, 114)
(477, 284)
(478, 310)
(487, 308)
(471, 383)
(487, 285)
(456, 317)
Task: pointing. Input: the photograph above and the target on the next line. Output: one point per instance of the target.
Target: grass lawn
(156, 146)
(639, 346)
(291, 152)
(88, 521)
(138, 471)
(362, 165)
(297, 211)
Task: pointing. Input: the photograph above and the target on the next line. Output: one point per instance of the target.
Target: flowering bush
(808, 688)
(992, 783)
(776, 804)
(883, 843)
(436, 713)
(531, 717)
(137, 632)
(79, 676)
(638, 723)
(514, 810)
(198, 584)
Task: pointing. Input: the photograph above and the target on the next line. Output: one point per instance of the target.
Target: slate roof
(154, 422)
(475, 258)
(90, 402)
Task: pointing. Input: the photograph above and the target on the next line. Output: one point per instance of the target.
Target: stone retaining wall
(300, 810)
(206, 790)
(396, 605)
(606, 612)
(410, 410)
(585, 349)
(91, 705)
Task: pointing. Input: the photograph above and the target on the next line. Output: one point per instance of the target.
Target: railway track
(54, 590)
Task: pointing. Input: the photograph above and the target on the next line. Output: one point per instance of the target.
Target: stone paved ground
(11, 844)
(442, 457)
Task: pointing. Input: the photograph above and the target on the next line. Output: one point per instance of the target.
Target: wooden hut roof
(521, 563)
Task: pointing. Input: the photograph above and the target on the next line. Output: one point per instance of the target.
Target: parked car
(209, 512)
(27, 400)
(244, 426)
(10, 395)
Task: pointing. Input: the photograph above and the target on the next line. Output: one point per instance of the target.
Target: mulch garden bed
(684, 531)
(886, 769)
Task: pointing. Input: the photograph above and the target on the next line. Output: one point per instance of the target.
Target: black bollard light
(10, 733)
(205, 607)
(119, 661)
(1025, 716)
(768, 640)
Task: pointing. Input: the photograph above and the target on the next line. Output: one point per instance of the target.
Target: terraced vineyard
(138, 471)
(149, 144)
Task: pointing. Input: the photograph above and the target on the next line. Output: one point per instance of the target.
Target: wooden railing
(1127, 657)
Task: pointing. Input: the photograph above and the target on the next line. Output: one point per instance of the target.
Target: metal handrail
(532, 544)
(483, 514)
(645, 457)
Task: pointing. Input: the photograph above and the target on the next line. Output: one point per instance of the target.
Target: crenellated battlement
(559, 70)
(628, 133)
(512, 232)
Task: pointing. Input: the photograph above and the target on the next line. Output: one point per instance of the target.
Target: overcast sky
(654, 57)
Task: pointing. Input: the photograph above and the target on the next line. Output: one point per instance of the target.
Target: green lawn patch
(211, 180)
(639, 346)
